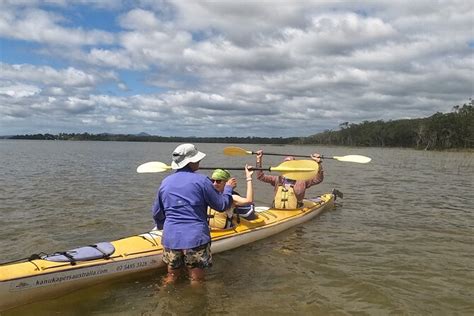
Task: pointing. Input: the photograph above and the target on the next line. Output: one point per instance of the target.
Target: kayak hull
(26, 282)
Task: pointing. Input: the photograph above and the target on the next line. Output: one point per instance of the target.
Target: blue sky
(226, 68)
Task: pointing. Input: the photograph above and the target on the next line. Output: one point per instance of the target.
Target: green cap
(221, 174)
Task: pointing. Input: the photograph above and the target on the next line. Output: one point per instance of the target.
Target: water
(400, 242)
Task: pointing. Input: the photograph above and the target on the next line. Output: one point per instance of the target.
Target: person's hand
(248, 171)
(232, 182)
(316, 157)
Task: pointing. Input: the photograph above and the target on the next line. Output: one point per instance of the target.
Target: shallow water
(400, 242)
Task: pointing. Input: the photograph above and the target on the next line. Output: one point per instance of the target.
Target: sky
(229, 68)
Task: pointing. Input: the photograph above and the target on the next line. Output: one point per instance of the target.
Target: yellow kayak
(48, 276)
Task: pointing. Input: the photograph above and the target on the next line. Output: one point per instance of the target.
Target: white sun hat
(184, 154)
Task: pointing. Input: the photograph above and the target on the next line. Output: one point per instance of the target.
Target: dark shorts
(198, 257)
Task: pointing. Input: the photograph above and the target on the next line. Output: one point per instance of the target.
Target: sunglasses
(216, 181)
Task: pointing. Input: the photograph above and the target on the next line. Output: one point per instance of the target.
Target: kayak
(48, 276)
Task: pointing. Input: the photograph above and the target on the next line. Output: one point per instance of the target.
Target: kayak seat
(100, 250)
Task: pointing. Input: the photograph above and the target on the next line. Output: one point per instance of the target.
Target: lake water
(400, 242)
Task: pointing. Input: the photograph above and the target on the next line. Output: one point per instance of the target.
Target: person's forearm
(249, 190)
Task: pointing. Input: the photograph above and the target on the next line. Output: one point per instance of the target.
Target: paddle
(237, 151)
(293, 169)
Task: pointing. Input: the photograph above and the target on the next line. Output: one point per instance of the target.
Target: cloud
(108, 58)
(243, 67)
(139, 19)
(44, 27)
(31, 91)
(18, 90)
(46, 75)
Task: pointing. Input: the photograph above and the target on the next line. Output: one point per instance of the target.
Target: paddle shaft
(237, 168)
(237, 151)
(303, 156)
(282, 155)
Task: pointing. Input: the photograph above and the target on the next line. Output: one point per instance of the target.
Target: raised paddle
(293, 169)
(237, 151)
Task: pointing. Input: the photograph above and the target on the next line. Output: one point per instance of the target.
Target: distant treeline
(163, 139)
(454, 130)
(440, 131)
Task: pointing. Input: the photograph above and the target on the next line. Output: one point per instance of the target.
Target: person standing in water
(180, 210)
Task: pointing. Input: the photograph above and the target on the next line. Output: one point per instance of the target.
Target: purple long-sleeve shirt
(180, 208)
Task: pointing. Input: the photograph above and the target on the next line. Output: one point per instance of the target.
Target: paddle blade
(298, 169)
(236, 151)
(353, 158)
(153, 166)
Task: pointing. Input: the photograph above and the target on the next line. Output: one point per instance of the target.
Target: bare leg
(172, 276)
(196, 275)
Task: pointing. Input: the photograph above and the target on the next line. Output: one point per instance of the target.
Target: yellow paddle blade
(236, 151)
(353, 158)
(298, 169)
(299, 175)
(153, 166)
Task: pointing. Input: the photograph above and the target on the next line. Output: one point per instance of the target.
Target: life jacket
(220, 220)
(231, 217)
(285, 197)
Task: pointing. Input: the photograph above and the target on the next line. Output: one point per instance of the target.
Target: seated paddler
(242, 206)
(289, 194)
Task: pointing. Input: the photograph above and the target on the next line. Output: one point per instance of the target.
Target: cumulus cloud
(69, 77)
(18, 90)
(45, 27)
(247, 66)
(139, 19)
